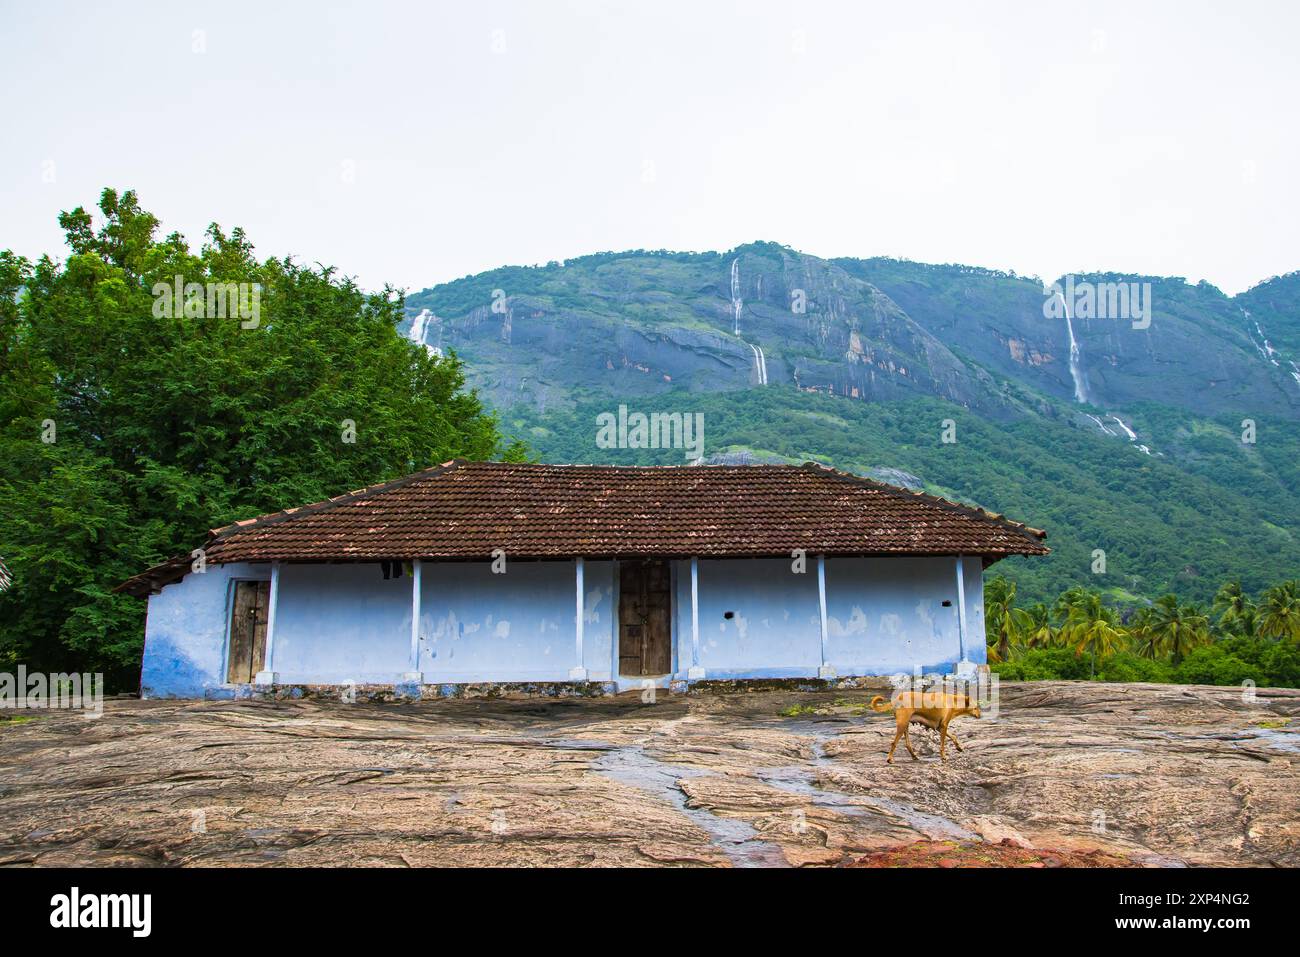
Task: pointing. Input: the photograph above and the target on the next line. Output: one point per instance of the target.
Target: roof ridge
(975, 511)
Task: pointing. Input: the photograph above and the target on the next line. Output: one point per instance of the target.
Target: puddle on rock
(796, 779)
(1275, 738)
(735, 838)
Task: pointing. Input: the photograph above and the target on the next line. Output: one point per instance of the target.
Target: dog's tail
(878, 704)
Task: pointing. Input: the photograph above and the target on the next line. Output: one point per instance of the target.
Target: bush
(1044, 664)
(1234, 660)
(1126, 666)
(1274, 664)
(1214, 666)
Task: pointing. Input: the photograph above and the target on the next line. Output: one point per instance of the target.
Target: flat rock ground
(1065, 773)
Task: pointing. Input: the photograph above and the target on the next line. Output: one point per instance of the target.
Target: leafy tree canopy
(132, 419)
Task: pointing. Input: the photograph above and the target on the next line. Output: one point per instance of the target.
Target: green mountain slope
(858, 363)
(1163, 527)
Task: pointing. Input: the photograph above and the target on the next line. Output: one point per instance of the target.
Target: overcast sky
(416, 144)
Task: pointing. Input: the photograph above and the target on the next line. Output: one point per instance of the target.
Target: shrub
(1126, 666)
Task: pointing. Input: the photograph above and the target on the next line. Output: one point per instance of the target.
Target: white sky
(1043, 137)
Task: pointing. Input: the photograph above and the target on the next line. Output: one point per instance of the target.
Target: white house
(592, 577)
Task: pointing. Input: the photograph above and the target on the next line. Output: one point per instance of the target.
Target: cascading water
(1266, 350)
(1100, 424)
(420, 329)
(737, 304)
(1127, 431)
(1076, 370)
(760, 363)
(1081, 385)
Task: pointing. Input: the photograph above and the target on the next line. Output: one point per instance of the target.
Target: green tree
(1039, 632)
(1091, 626)
(1280, 611)
(131, 422)
(1004, 624)
(1235, 609)
(1177, 629)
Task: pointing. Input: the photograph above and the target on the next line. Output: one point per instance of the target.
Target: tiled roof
(465, 510)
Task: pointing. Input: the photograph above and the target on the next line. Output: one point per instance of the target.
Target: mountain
(1123, 435)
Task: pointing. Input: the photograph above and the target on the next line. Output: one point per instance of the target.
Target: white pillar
(695, 672)
(827, 670)
(579, 673)
(267, 675)
(961, 612)
(414, 675)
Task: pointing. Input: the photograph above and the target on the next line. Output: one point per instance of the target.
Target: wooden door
(248, 616)
(645, 639)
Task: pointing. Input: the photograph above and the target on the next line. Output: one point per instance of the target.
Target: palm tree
(1234, 608)
(1177, 628)
(1279, 612)
(1003, 622)
(1039, 632)
(1066, 602)
(1091, 626)
(1145, 642)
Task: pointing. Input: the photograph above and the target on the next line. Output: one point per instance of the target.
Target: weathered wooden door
(248, 616)
(645, 642)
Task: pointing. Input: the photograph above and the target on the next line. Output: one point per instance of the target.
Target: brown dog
(930, 709)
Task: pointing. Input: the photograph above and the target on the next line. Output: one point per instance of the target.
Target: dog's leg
(955, 744)
(907, 741)
(897, 734)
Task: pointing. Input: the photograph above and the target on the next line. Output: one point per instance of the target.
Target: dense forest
(1236, 639)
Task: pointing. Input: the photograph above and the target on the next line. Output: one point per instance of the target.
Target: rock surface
(1073, 774)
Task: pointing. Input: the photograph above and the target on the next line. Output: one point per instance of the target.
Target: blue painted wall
(886, 615)
(341, 623)
(186, 633)
(775, 628)
(476, 625)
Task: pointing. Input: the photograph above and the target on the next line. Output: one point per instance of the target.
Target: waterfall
(1076, 372)
(420, 329)
(1267, 350)
(1127, 431)
(1132, 436)
(760, 360)
(736, 302)
(1100, 424)
(760, 363)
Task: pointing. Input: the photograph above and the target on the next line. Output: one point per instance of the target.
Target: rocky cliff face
(640, 323)
(637, 323)
(1200, 350)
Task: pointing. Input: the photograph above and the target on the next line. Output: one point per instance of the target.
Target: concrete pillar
(579, 673)
(267, 675)
(695, 672)
(827, 670)
(414, 675)
(961, 612)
